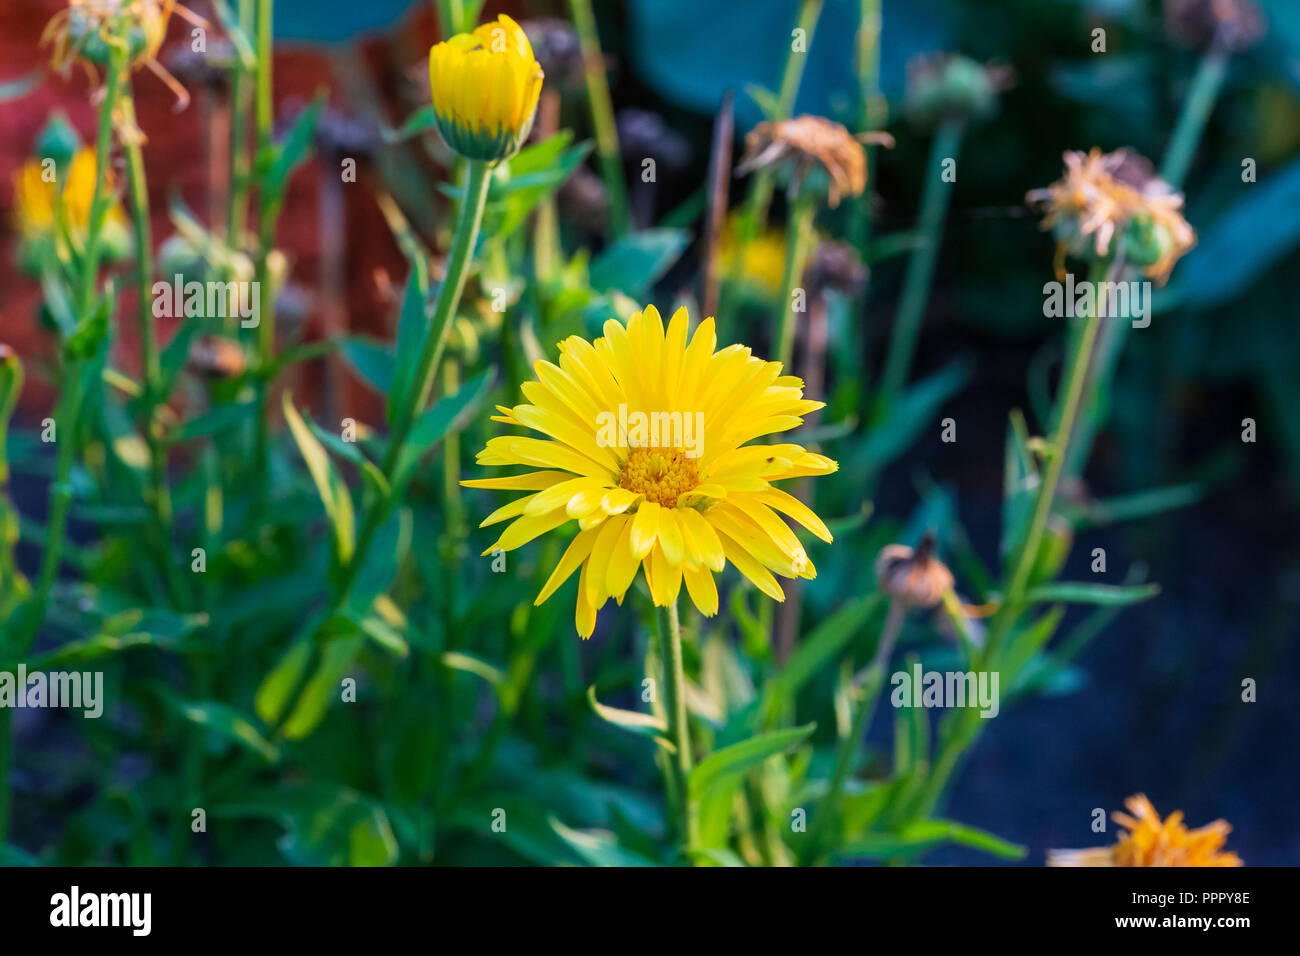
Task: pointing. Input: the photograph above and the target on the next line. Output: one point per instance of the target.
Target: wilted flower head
(87, 29)
(556, 46)
(948, 86)
(916, 578)
(485, 86)
(1229, 24)
(809, 144)
(1114, 199)
(649, 452)
(215, 357)
(1150, 841)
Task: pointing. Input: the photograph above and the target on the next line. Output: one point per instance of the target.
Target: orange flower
(1150, 841)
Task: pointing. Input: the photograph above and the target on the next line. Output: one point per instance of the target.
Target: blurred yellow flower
(485, 87)
(1149, 841)
(39, 203)
(760, 261)
(1113, 203)
(649, 455)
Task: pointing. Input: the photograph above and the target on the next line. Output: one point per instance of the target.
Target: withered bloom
(915, 578)
(215, 357)
(1109, 199)
(808, 144)
(835, 265)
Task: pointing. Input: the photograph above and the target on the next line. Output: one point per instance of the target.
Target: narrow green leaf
(1083, 592)
(644, 725)
(740, 757)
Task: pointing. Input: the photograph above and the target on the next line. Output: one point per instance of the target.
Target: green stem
(760, 194)
(966, 722)
(266, 217)
(867, 65)
(798, 240)
(239, 163)
(1197, 107)
(602, 116)
(478, 176)
(157, 494)
(670, 642)
(935, 196)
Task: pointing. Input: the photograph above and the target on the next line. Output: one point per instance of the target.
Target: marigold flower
(1110, 198)
(679, 510)
(485, 87)
(1150, 841)
(40, 205)
(809, 144)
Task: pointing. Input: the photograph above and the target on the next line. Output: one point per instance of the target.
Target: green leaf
(423, 120)
(598, 848)
(293, 149)
(633, 263)
(229, 723)
(385, 635)
(412, 327)
(323, 687)
(1020, 480)
(736, 759)
(374, 361)
(1239, 246)
(1083, 592)
(459, 661)
(371, 841)
(1139, 505)
(924, 834)
(641, 724)
(217, 420)
(333, 492)
(447, 415)
(272, 695)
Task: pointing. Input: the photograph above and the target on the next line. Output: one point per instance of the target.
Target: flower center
(661, 474)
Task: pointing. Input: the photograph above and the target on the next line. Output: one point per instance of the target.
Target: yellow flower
(759, 261)
(650, 456)
(1105, 197)
(38, 199)
(485, 87)
(1149, 841)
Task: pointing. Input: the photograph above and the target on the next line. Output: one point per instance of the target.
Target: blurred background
(1154, 704)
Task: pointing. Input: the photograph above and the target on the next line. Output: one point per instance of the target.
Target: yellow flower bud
(485, 87)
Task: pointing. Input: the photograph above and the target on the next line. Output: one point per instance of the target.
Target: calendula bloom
(86, 29)
(808, 144)
(41, 204)
(485, 87)
(647, 449)
(1149, 841)
(1109, 200)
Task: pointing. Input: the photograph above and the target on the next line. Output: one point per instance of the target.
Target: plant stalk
(670, 642)
(602, 116)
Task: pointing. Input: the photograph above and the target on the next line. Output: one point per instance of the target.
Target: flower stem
(265, 241)
(1197, 107)
(239, 165)
(602, 116)
(670, 642)
(967, 721)
(935, 196)
(867, 66)
(798, 240)
(158, 497)
(760, 194)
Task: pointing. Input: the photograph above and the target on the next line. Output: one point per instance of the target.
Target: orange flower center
(661, 474)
